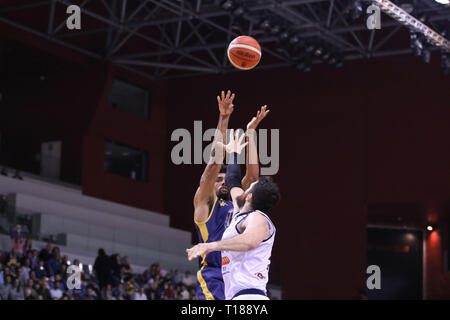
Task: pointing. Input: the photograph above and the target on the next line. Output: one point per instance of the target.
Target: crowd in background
(33, 274)
(30, 274)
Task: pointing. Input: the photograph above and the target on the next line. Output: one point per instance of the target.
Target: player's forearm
(215, 162)
(252, 161)
(221, 132)
(243, 242)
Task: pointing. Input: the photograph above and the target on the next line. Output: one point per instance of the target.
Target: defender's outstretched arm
(252, 161)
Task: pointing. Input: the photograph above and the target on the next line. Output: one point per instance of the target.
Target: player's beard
(224, 195)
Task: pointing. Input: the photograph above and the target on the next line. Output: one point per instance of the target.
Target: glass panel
(125, 161)
(129, 98)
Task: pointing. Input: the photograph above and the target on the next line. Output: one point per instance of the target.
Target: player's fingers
(232, 97)
(218, 99)
(223, 95)
(244, 145)
(241, 138)
(228, 94)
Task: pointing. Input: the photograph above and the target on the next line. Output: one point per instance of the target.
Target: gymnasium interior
(362, 116)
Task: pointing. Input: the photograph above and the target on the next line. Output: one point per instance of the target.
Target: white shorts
(251, 297)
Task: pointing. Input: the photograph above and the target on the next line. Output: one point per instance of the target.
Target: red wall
(148, 135)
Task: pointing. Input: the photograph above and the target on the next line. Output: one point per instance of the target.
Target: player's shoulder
(225, 203)
(262, 214)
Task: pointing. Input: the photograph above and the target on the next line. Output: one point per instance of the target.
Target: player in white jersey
(247, 242)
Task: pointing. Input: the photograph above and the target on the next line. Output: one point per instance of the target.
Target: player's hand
(198, 250)
(225, 103)
(261, 114)
(235, 143)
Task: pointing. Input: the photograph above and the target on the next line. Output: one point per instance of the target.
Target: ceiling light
(227, 5)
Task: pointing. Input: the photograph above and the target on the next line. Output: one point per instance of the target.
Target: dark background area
(399, 255)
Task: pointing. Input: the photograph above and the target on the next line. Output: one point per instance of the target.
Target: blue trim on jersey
(241, 213)
(237, 224)
(249, 291)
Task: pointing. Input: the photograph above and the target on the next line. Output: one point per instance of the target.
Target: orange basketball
(244, 52)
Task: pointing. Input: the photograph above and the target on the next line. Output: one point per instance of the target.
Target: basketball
(244, 52)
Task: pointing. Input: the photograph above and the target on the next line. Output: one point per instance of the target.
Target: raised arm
(205, 195)
(233, 175)
(252, 161)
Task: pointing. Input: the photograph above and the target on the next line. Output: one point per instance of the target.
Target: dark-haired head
(262, 195)
(219, 186)
(223, 169)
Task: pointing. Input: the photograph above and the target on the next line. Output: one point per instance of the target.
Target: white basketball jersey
(246, 270)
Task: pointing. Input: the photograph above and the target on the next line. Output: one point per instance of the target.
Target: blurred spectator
(9, 272)
(33, 276)
(184, 293)
(13, 258)
(126, 265)
(107, 291)
(65, 260)
(115, 269)
(28, 294)
(118, 292)
(44, 290)
(56, 292)
(40, 270)
(19, 235)
(102, 268)
(130, 287)
(25, 271)
(177, 277)
(6, 287)
(140, 295)
(192, 294)
(188, 279)
(30, 286)
(28, 246)
(46, 252)
(16, 292)
(170, 292)
(4, 172)
(34, 259)
(17, 175)
(90, 294)
(54, 262)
